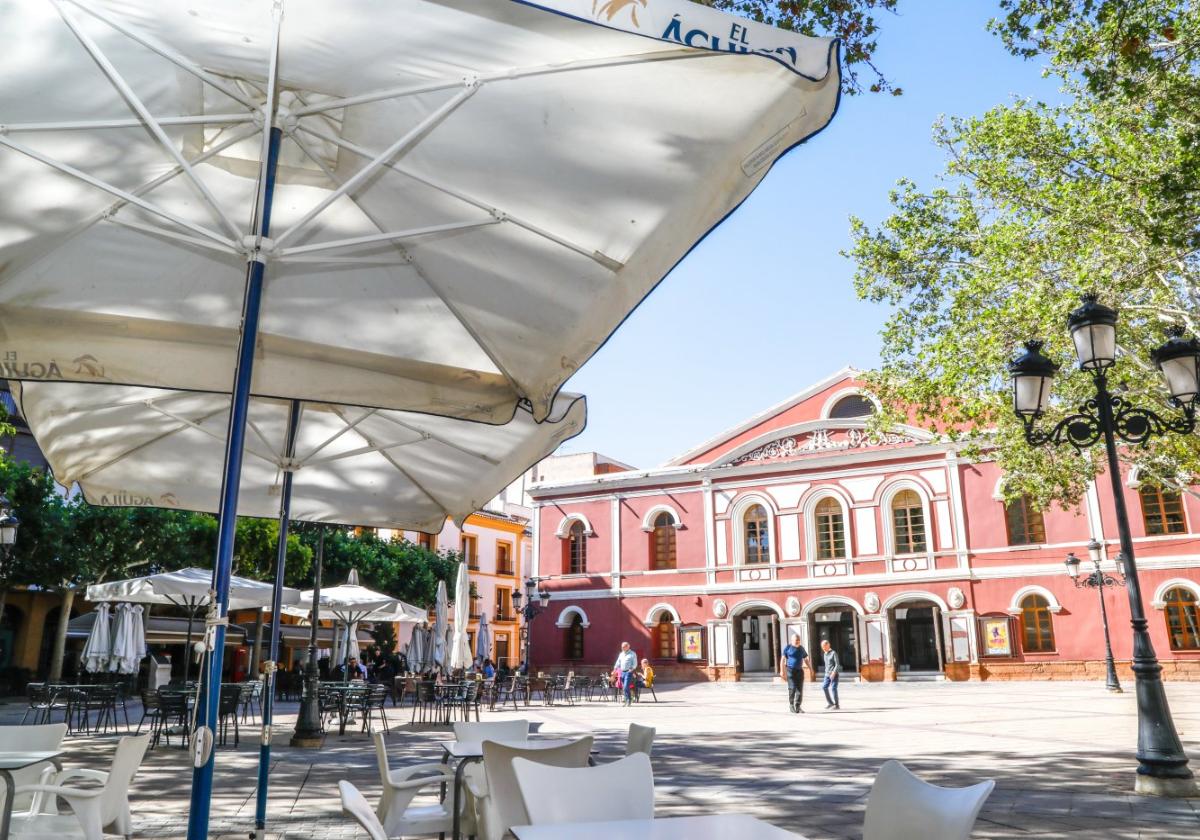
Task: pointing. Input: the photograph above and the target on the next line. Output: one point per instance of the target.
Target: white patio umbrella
(468, 197)
(441, 625)
(98, 647)
(360, 466)
(483, 639)
(189, 589)
(127, 650)
(416, 650)
(460, 644)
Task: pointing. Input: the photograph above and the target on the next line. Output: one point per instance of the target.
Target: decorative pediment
(822, 437)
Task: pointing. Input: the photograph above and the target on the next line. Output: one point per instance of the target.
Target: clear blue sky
(765, 305)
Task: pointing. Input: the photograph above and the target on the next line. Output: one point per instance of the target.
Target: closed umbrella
(98, 647)
(416, 650)
(125, 658)
(441, 626)
(483, 639)
(460, 644)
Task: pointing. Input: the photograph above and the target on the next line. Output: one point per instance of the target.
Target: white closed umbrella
(98, 648)
(441, 625)
(460, 643)
(138, 625)
(416, 650)
(124, 648)
(483, 639)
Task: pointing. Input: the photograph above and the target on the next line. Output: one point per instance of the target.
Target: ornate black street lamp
(1098, 580)
(529, 612)
(309, 732)
(1162, 764)
(8, 539)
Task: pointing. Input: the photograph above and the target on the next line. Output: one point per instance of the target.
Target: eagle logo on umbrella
(612, 8)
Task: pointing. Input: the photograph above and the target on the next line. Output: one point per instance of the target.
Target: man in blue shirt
(626, 664)
(791, 668)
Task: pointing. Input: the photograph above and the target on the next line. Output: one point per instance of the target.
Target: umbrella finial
(352, 578)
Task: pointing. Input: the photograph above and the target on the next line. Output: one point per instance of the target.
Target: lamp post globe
(1093, 329)
(1032, 375)
(1073, 563)
(1179, 360)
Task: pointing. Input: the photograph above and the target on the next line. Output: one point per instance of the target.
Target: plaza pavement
(1061, 754)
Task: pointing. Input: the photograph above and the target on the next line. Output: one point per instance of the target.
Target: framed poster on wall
(997, 636)
(691, 643)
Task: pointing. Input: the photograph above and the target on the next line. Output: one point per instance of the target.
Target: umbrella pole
(187, 648)
(268, 699)
(239, 409)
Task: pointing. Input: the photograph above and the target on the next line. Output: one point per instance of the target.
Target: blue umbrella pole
(268, 703)
(207, 708)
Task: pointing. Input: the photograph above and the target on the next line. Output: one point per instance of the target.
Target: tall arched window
(1035, 622)
(831, 530)
(1162, 511)
(662, 542)
(1024, 521)
(573, 639)
(1183, 619)
(576, 550)
(908, 522)
(664, 637)
(756, 534)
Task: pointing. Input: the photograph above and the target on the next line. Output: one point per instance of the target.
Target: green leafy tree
(852, 21)
(1037, 204)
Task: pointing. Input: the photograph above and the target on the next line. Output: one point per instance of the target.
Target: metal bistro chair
(173, 711)
(101, 699)
(41, 703)
(228, 707)
(251, 695)
(510, 692)
(563, 689)
(469, 699)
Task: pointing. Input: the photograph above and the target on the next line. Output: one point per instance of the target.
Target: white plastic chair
(903, 807)
(622, 790)
(356, 806)
(397, 815)
(492, 730)
(94, 809)
(641, 739)
(494, 791)
(46, 737)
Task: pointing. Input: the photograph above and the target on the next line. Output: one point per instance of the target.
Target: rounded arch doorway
(915, 627)
(834, 621)
(756, 632)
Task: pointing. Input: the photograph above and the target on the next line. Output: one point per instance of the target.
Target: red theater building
(895, 548)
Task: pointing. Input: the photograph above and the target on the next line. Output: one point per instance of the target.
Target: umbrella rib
(168, 234)
(406, 141)
(91, 125)
(431, 436)
(388, 237)
(592, 254)
(127, 197)
(258, 432)
(264, 153)
(196, 425)
(171, 56)
(458, 316)
(500, 76)
(365, 450)
(348, 427)
(137, 448)
(416, 484)
(89, 409)
(134, 102)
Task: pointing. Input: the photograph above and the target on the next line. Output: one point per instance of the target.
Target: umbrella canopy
(388, 469)
(98, 647)
(128, 643)
(441, 626)
(483, 639)
(464, 209)
(460, 644)
(187, 588)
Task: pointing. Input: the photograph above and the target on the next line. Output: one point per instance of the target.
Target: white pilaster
(615, 541)
(710, 554)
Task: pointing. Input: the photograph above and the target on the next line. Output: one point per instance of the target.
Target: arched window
(908, 522)
(1024, 521)
(662, 542)
(1183, 619)
(1162, 511)
(1035, 621)
(664, 637)
(855, 405)
(576, 550)
(756, 535)
(831, 529)
(573, 639)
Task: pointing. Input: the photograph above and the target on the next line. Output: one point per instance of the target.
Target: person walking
(833, 670)
(791, 668)
(625, 666)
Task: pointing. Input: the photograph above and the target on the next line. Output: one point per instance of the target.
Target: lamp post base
(1116, 689)
(1170, 787)
(310, 742)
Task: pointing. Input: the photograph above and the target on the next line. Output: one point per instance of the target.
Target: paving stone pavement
(1061, 754)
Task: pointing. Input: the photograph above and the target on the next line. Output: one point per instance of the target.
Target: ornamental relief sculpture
(871, 602)
(822, 440)
(956, 598)
(720, 608)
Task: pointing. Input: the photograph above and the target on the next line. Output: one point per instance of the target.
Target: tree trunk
(60, 635)
(256, 650)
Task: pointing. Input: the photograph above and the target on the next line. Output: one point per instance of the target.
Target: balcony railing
(505, 569)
